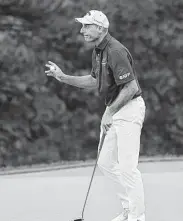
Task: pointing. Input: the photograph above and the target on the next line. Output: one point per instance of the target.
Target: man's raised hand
(54, 71)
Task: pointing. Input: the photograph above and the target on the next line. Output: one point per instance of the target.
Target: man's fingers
(50, 62)
(106, 127)
(104, 130)
(48, 72)
(48, 65)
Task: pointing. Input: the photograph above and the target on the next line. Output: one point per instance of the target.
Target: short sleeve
(121, 67)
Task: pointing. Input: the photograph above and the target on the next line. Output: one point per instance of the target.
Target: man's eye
(86, 26)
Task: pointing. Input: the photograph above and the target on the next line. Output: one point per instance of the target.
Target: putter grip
(101, 142)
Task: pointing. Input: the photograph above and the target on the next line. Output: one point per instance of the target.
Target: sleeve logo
(121, 77)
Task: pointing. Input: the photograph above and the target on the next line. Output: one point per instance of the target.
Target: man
(114, 76)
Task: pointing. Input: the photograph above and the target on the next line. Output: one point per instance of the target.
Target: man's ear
(100, 28)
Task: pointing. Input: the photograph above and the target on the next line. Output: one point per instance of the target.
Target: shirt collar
(103, 43)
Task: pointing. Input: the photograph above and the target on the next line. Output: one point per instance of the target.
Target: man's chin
(88, 40)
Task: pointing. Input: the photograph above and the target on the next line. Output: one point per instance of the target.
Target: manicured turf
(59, 195)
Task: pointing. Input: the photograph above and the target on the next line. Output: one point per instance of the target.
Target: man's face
(90, 32)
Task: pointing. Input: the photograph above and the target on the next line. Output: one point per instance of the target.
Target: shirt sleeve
(121, 67)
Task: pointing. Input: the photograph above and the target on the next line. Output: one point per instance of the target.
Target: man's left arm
(125, 95)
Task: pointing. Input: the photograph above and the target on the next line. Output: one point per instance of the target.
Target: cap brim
(83, 21)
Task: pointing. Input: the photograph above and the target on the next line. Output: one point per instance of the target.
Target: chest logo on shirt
(121, 77)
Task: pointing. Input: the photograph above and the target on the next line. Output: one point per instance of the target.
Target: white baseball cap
(94, 17)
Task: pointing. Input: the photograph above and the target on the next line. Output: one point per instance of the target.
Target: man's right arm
(87, 82)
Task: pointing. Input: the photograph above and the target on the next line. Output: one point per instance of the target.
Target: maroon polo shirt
(113, 67)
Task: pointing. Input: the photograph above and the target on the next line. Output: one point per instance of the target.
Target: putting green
(59, 195)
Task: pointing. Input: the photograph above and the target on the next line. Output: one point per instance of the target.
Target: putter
(100, 147)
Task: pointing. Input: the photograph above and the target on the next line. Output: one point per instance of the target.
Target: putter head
(80, 219)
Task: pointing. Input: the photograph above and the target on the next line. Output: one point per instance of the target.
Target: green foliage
(47, 121)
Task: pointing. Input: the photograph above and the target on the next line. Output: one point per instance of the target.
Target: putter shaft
(100, 147)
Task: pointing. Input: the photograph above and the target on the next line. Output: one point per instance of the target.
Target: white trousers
(119, 156)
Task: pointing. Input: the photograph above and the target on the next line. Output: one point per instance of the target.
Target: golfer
(113, 75)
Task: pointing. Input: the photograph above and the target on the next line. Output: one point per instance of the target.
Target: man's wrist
(63, 78)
